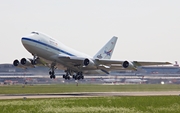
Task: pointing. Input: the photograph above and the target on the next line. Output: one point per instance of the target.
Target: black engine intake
(129, 65)
(16, 63)
(86, 62)
(23, 61)
(125, 64)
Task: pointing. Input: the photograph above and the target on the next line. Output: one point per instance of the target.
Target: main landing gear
(67, 75)
(51, 73)
(78, 76)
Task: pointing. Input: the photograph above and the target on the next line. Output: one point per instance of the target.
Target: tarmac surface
(89, 94)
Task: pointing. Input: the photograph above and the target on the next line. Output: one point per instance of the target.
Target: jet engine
(129, 65)
(18, 64)
(88, 62)
(26, 62)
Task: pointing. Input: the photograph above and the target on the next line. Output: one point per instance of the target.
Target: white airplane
(50, 52)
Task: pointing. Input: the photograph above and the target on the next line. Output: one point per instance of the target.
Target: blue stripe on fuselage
(52, 47)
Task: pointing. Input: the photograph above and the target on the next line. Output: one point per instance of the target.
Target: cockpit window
(35, 33)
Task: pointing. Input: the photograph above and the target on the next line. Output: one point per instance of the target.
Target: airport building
(160, 70)
(10, 75)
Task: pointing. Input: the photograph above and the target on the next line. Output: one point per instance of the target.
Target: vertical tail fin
(107, 50)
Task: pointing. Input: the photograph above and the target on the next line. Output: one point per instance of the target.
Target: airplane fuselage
(43, 45)
(46, 47)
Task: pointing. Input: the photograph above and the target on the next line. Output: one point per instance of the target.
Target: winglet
(107, 50)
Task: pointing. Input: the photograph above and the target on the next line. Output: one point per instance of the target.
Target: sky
(147, 30)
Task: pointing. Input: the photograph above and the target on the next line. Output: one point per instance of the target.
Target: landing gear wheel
(74, 76)
(34, 62)
(82, 77)
(67, 77)
(78, 76)
(50, 73)
(52, 76)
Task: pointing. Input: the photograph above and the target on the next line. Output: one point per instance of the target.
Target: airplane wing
(108, 62)
(71, 60)
(143, 63)
(136, 63)
(104, 64)
(85, 64)
(108, 65)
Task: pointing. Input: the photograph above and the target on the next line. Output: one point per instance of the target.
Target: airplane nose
(27, 43)
(24, 40)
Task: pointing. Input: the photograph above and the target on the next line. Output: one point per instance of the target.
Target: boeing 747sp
(48, 51)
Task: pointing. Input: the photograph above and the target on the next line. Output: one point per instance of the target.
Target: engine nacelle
(129, 65)
(26, 62)
(16, 63)
(88, 62)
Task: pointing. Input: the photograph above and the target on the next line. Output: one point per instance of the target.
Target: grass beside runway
(151, 104)
(65, 88)
(125, 104)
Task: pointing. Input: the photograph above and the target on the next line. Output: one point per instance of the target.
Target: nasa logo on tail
(108, 52)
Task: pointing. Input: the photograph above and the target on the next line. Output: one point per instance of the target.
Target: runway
(88, 94)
